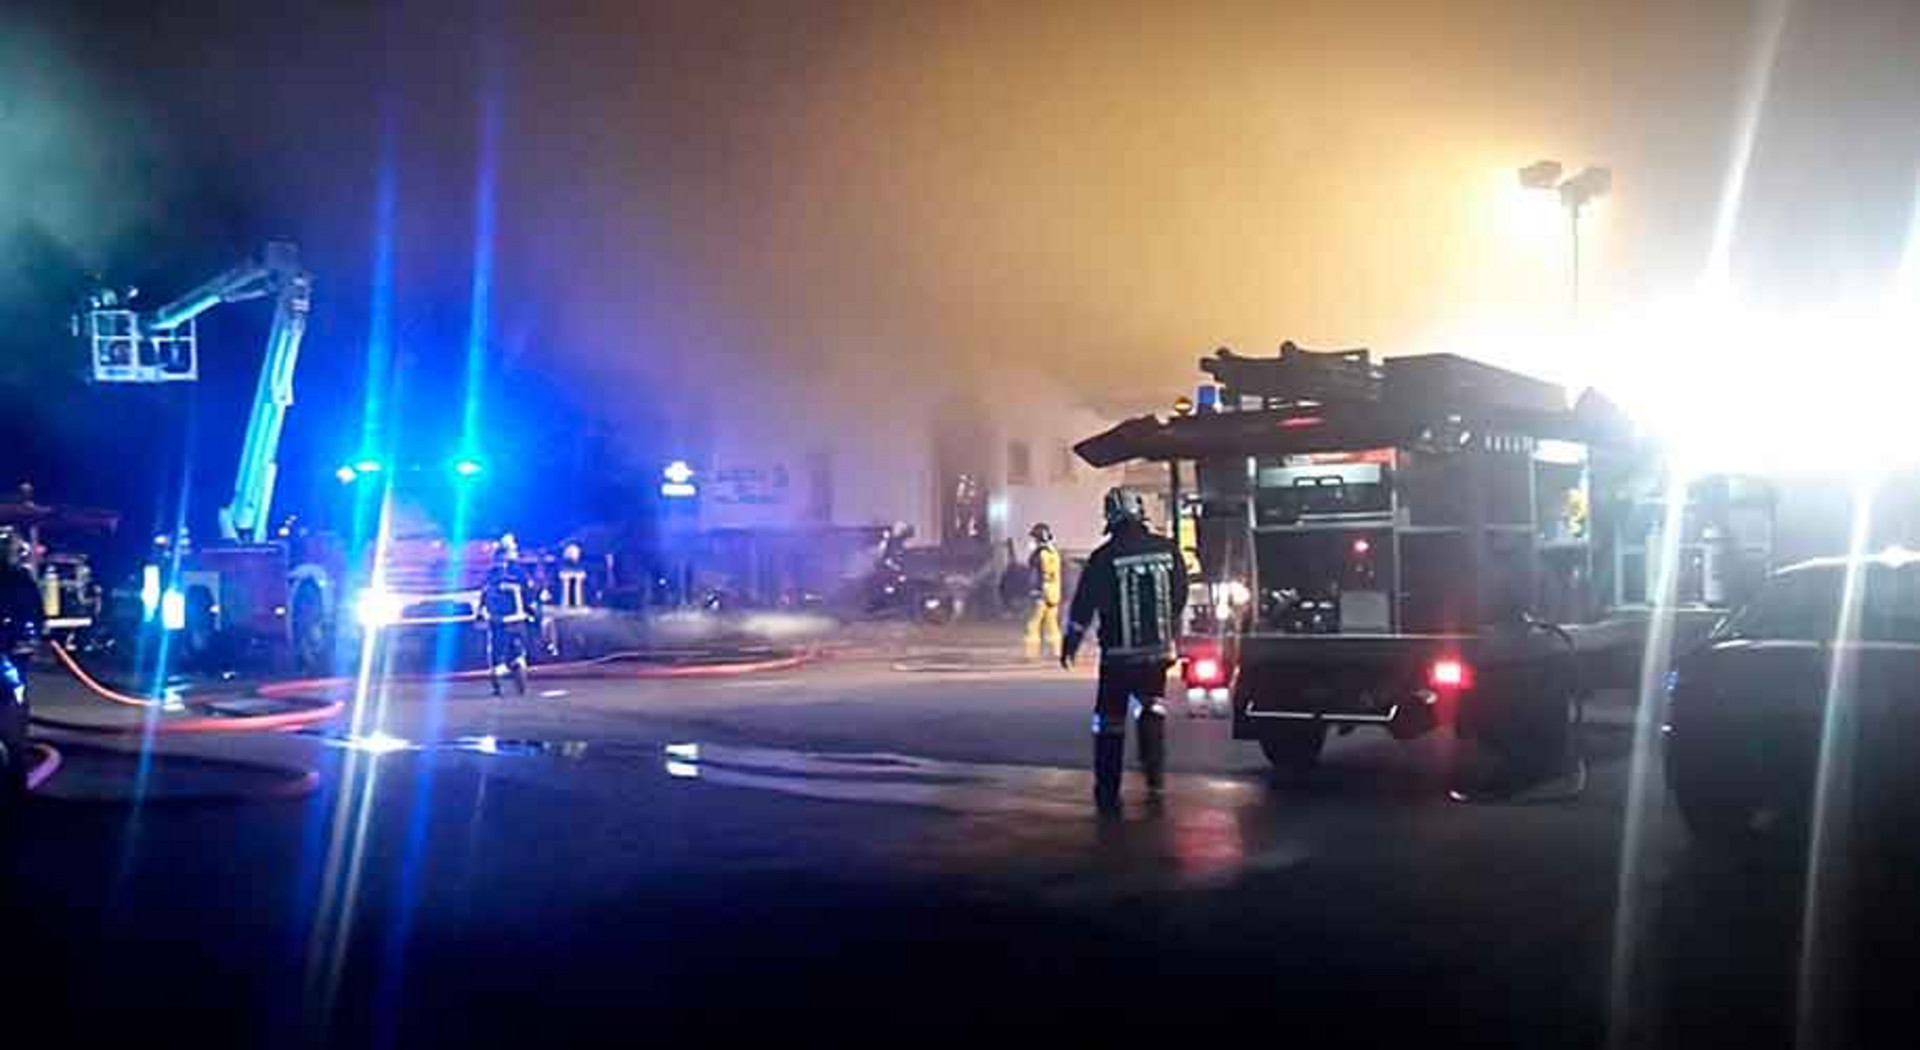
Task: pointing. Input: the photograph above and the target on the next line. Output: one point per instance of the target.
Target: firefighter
(22, 609)
(1043, 583)
(1136, 586)
(510, 605)
(21, 619)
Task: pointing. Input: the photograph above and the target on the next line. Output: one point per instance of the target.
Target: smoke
(68, 154)
(907, 206)
(908, 201)
(865, 204)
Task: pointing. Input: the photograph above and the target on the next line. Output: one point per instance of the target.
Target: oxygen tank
(1713, 566)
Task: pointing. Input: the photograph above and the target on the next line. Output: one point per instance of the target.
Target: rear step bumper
(1330, 717)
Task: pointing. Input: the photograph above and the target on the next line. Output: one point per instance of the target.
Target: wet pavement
(852, 849)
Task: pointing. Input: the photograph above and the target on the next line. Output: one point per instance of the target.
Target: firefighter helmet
(1041, 531)
(1124, 505)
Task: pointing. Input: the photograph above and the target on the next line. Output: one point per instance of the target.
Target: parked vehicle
(1796, 679)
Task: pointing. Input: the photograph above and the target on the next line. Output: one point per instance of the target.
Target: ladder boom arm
(243, 282)
(246, 516)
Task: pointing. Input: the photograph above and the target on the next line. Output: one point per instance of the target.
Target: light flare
(1822, 930)
(1757, 84)
(1643, 805)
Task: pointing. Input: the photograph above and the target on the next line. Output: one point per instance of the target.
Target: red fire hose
(198, 724)
(299, 782)
(600, 666)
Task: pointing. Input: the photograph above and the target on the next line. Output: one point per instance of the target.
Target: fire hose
(42, 771)
(201, 724)
(299, 782)
(599, 666)
(289, 782)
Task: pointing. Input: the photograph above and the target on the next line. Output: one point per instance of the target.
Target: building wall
(1056, 487)
(880, 457)
(810, 451)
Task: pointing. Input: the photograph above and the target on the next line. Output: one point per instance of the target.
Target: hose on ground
(572, 668)
(280, 722)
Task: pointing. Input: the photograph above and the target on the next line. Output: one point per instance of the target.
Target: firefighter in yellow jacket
(1043, 572)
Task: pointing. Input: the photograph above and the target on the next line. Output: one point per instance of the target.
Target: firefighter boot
(1109, 759)
(1153, 745)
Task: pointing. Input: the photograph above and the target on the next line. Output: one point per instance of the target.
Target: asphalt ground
(849, 851)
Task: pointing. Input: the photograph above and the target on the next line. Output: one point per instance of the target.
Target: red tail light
(1450, 674)
(1205, 670)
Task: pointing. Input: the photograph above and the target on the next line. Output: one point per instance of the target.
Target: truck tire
(1294, 748)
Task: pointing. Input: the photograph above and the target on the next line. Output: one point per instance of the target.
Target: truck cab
(310, 593)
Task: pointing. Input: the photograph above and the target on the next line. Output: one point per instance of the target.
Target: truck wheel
(1294, 748)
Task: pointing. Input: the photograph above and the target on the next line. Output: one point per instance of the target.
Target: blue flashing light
(173, 610)
(468, 468)
(149, 591)
(367, 466)
(346, 474)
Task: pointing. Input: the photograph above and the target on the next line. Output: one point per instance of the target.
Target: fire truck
(59, 538)
(265, 592)
(1356, 523)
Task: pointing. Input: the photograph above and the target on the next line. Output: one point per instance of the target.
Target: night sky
(695, 194)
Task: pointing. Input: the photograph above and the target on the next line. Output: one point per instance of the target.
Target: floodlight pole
(1573, 226)
(1575, 193)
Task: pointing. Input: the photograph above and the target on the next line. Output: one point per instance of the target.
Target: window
(1019, 463)
(1066, 466)
(1893, 605)
(820, 487)
(1797, 606)
(1295, 488)
(1805, 605)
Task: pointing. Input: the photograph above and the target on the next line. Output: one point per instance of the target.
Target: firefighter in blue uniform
(1135, 585)
(510, 605)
